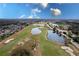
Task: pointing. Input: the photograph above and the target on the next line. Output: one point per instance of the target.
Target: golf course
(48, 48)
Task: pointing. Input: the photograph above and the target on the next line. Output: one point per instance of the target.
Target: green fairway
(47, 47)
(22, 35)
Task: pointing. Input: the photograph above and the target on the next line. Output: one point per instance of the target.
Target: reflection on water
(55, 37)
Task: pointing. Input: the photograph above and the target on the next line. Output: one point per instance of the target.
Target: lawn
(22, 35)
(47, 47)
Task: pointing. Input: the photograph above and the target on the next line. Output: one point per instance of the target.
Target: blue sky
(38, 10)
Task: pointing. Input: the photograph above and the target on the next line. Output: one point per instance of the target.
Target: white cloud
(56, 11)
(37, 17)
(51, 9)
(36, 10)
(44, 4)
(34, 13)
(30, 17)
(22, 16)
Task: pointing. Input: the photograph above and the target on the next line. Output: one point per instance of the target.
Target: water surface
(55, 37)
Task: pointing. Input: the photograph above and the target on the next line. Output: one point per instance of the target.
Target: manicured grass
(22, 35)
(47, 47)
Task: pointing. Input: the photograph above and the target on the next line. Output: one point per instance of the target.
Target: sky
(39, 10)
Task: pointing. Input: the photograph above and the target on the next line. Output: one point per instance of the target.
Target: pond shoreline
(52, 40)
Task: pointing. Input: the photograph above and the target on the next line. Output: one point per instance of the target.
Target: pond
(35, 31)
(55, 37)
